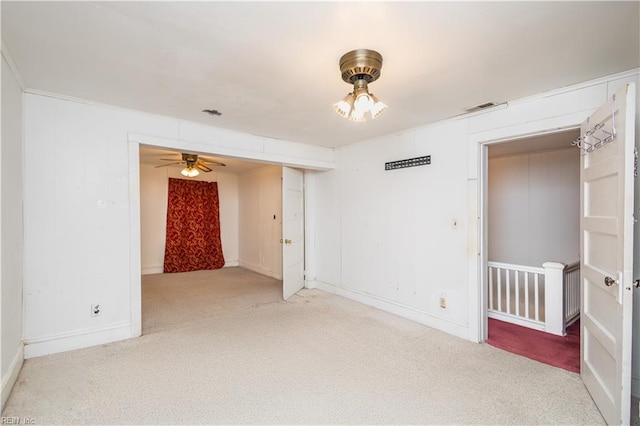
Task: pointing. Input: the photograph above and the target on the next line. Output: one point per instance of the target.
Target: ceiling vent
(481, 107)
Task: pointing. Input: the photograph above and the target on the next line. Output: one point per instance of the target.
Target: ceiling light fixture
(190, 170)
(360, 67)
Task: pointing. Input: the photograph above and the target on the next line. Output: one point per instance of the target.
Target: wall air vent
(212, 112)
(481, 107)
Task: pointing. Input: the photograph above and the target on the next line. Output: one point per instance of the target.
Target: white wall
(81, 203)
(11, 248)
(534, 207)
(153, 213)
(385, 238)
(261, 221)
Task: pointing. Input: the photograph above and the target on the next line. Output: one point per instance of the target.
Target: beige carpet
(222, 347)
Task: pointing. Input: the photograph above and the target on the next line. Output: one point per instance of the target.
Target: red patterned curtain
(193, 227)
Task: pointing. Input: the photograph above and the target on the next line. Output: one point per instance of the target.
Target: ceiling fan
(192, 163)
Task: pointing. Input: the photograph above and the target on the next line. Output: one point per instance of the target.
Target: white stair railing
(571, 293)
(528, 296)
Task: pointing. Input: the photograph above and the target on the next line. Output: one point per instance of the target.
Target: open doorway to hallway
(533, 201)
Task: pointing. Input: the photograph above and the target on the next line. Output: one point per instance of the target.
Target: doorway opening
(532, 206)
(606, 241)
(251, 228)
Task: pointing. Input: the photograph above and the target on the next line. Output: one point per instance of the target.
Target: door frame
(135, 258)
(478, 216)
(483, 154)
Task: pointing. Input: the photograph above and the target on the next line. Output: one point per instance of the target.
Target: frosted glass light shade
(190, 172)
(356, 104)
(377, 107)
(344, 106)
(362, 103)
(357, 116)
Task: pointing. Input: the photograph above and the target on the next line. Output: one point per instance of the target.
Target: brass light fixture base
(359, 68)
(360, 64)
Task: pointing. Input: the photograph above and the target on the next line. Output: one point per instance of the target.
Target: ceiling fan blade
(169, 159)
(214, 163)
(203, 167)
(169, 164)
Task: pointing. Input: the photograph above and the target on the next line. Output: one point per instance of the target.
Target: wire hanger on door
(599, 132)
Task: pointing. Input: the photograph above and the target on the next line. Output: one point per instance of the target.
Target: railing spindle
(508, 272)
(517, 293)
(526, 295)
(536, 298)
(499, 273)
(490, 287)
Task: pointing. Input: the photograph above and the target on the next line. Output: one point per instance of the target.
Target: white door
(292, 231)
(606, 252)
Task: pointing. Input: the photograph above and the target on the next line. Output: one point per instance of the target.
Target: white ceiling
(271, 68)
(547, 142)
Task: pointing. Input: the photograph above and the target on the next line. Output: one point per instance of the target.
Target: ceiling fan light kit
(360, 67)
(193, 165)
(190, 172)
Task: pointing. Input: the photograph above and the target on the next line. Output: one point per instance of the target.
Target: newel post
(554, 297)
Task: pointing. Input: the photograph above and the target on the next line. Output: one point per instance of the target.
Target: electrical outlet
(95, 310)
(443, 301)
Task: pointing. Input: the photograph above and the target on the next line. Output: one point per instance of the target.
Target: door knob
(608, 281)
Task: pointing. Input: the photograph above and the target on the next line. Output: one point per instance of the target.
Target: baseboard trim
(635, 386)
(259, 270)
(76, 340)
(159, 269)
(409, 312)
(9, 380)
(148, 270)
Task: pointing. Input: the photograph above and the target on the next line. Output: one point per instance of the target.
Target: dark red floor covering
(559, 351)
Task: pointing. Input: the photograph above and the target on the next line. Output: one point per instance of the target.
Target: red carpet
(559, 351)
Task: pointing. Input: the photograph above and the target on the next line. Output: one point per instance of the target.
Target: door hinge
(635, 161)
(636, 283)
